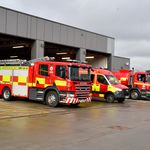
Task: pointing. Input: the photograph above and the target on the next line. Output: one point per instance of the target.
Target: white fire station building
(25, 36)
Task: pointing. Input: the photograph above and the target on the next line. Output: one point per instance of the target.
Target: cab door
(101, 80)
(60, 80)
(42, 78)
(95, 84)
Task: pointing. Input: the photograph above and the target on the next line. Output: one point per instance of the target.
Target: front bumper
(122, 94)
(70, 98)
(75, 100)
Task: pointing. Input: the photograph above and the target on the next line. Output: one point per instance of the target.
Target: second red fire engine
(138, 83)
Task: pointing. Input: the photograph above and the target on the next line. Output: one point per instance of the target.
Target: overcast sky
(128, 21)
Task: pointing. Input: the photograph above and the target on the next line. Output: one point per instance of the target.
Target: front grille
(82, 92)
(126, 92)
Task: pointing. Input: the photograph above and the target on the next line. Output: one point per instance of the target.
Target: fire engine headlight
(119, 90)
(70, 95)
(119, 93)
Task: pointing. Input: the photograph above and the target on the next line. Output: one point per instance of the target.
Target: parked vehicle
(138, 83)
(45, 80)
(105, 85)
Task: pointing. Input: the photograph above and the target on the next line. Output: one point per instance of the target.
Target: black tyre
(52, 99)
(6, 94)
(121, 100)
(134, 94)
(110, 98)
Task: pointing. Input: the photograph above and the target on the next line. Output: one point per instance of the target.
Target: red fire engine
(46, 80)
(105, 85)
(138, 84)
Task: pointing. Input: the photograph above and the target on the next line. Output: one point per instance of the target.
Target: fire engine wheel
(110, 98)
(6, 94)
(135, 95)
(52, 99)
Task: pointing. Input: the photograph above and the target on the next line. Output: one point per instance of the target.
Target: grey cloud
(140, 64)
(132, 48)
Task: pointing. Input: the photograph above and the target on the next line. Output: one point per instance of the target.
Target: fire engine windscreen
(142, 77)
(79, 73)
(112, 79)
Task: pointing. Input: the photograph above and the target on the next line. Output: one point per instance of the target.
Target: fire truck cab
(46, 80)
(105, 85)
(138, 83)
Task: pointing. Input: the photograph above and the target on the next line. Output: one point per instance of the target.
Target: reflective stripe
(34, 84)
(22, 79)
(13, 67)
(139, 83)
(93, 87)
(101, 95)
(96, 87)
(46, 85)
(60, 83)
(123, 79)
(111, 88)
(6, 79)
(29, 84)
(146, 84)
(41, 80)
(15, 83)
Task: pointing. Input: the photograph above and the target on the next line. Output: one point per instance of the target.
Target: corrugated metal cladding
(27, 26)
(120, 63)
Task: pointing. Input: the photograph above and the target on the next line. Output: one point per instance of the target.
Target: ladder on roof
(21, 62)
(46, 58)
(76, 61)
(7, 62)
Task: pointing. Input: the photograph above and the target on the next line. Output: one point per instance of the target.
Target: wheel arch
(109, 92)
(5, 87)
(136, 89)
(48, 89)
(8, 97)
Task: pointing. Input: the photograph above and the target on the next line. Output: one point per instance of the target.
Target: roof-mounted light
(63, 53)
(13, 56)
(65, 58)
(90, 57)
(19, 46)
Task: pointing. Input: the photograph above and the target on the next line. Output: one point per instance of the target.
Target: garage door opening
(61, 53)
(12, 47)
(98, 59)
